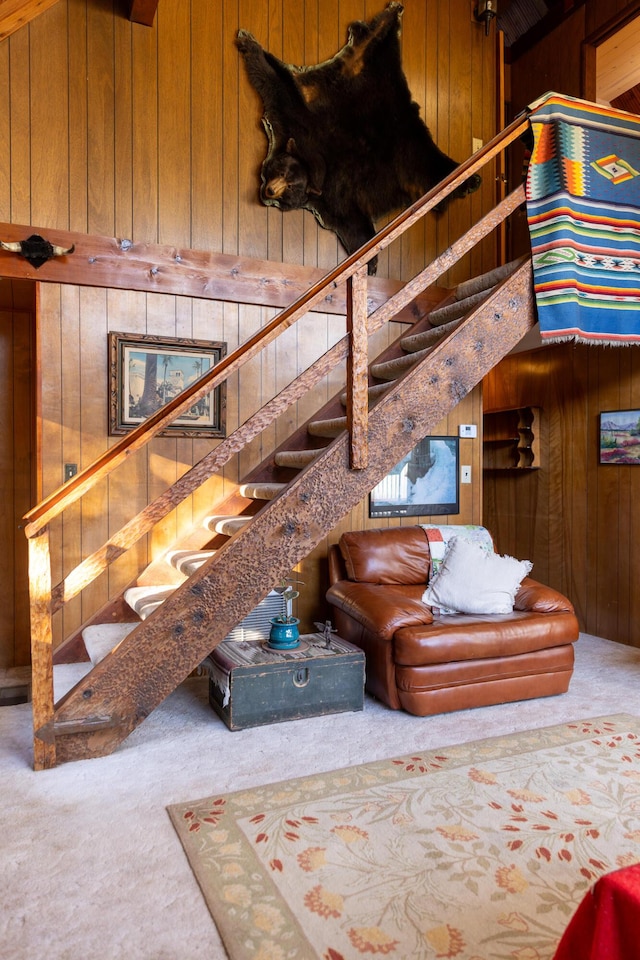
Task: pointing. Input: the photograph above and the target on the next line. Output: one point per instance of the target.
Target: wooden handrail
(53, 505)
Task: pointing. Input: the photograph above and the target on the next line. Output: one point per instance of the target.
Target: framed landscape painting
(619, 437)
(145, 372)
(423, 484)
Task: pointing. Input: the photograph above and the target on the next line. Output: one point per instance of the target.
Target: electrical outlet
(465, 474)
(70, 470)
(468, 430)
(476, 144)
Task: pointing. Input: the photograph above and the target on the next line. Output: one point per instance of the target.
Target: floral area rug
(478, 851)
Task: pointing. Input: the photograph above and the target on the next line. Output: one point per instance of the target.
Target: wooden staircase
(289, 503)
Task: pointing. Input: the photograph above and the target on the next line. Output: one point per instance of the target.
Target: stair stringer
(131, 681)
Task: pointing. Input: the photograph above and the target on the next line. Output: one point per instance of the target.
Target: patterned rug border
(196, 821)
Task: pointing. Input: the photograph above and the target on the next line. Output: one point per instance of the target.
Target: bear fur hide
(345, 138)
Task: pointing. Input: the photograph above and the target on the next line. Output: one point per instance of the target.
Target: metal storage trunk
(250, 685)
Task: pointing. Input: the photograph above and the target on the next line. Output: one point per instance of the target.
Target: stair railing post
(357, 370)
(44, 746)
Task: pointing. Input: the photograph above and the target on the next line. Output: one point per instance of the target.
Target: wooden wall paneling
(185, 445)
(460, 100)
(49, 116)
(440, 129)
(293, 34)
(50, 338)
(555, 67)
(235, 190)
(275, 219)
(303, 38)
(331, 35)
(163, 466)
(486, 197)
(271, 373)
(71, 400)
(8, 531)
(631, 517)
(573, 371)
(23, 470)
(207, 325)
(607, 397)
(412, 244)
(231, 327)
(123, 129)
(174, 124)
(624, 542)
(294, 222)
(128, 486)
(145, 133)
(252, 215)
(80, 159)
(249, 386)
(19, 148)
(209, 88)
(93, 393)
(599, 12)
(101, 119)
(5, 133)
(481, 124)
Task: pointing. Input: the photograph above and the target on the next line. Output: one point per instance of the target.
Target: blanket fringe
(592, 341)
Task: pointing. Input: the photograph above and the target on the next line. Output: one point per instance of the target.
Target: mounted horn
(36, 249)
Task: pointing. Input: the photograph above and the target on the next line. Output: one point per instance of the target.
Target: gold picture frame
(147, 371)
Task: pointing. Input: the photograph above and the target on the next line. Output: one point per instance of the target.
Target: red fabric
(606, 925)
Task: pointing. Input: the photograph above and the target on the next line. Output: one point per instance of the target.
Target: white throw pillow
(471, 580)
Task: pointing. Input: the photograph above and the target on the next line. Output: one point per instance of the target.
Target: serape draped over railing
(583, 208)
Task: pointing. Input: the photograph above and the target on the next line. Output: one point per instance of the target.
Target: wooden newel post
(44, 747)
(357, 370)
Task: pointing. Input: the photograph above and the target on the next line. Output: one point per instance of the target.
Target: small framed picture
(620, 436)
(145, 372)
(424, 483)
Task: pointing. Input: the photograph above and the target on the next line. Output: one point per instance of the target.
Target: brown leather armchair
(426, 663)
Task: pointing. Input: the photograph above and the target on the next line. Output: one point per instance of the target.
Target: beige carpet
(481, 850)
(90, 864)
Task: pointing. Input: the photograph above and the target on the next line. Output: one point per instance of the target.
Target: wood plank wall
(153, 133)
(17, 476)
(577, 520)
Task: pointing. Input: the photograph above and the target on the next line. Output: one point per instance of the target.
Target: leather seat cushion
(449, 675)
(460, 637)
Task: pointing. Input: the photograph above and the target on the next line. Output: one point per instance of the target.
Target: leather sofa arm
(381, 608)
(537, 597)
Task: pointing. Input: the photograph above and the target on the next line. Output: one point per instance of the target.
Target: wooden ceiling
(17, 13)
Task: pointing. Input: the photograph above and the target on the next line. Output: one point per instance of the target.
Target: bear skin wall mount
(345, 138)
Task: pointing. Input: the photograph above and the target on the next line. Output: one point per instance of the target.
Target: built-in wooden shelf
(511, 439)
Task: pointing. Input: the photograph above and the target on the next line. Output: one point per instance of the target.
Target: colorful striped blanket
(583, 208)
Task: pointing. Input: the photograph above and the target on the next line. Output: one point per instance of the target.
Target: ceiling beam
(15, 14)
(99, 261)
(143, 11)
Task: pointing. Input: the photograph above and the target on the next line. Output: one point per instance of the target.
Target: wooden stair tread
(144, 600)
(396, 367)
(261, 491)
(327, 428)
(188, 561)
(297, 459)
(226, 525)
